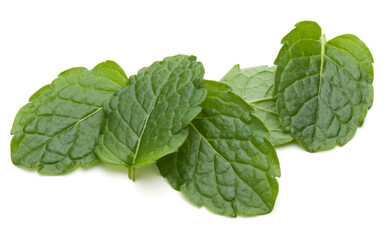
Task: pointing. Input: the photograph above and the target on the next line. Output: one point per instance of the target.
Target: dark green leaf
(148, 118)
(226, 164)
(255, 85)
(323, 89)
(57, 130)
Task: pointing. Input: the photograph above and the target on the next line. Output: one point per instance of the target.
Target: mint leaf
(226, 164)
(255, 85)
(323, 89)
(57, 130)
(147, 119)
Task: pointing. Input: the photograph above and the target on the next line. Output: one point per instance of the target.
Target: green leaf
(226, 164)
(255, 85)
(323, 89)
(58, 129)
(148, 118)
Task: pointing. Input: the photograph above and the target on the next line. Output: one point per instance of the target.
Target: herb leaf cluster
(213, 141)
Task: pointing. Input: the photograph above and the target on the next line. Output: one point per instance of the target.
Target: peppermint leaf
(57, 130)
(148, 118)
(226, 164)
(255, 85)
(323, 88)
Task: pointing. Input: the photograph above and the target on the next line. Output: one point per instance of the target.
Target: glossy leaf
(148, 118)
(323, 88)
(255, 85)
(57, 130)
(226, 164)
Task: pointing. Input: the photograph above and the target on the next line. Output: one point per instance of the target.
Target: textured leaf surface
(226, 163)
(323, 89)
(255, 85)
(58, 129)
(148, 118)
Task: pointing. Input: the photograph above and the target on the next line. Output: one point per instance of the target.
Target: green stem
(132, 173)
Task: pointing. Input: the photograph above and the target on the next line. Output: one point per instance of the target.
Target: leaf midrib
(322, 56)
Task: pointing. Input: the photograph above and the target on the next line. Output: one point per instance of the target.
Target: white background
(336, 194)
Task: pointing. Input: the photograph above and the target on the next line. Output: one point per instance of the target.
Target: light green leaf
(148, 118)
(57, 130)
(226, 164)
(255, 85)
(323, 89)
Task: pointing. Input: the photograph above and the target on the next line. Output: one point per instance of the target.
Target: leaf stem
(132, 173)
